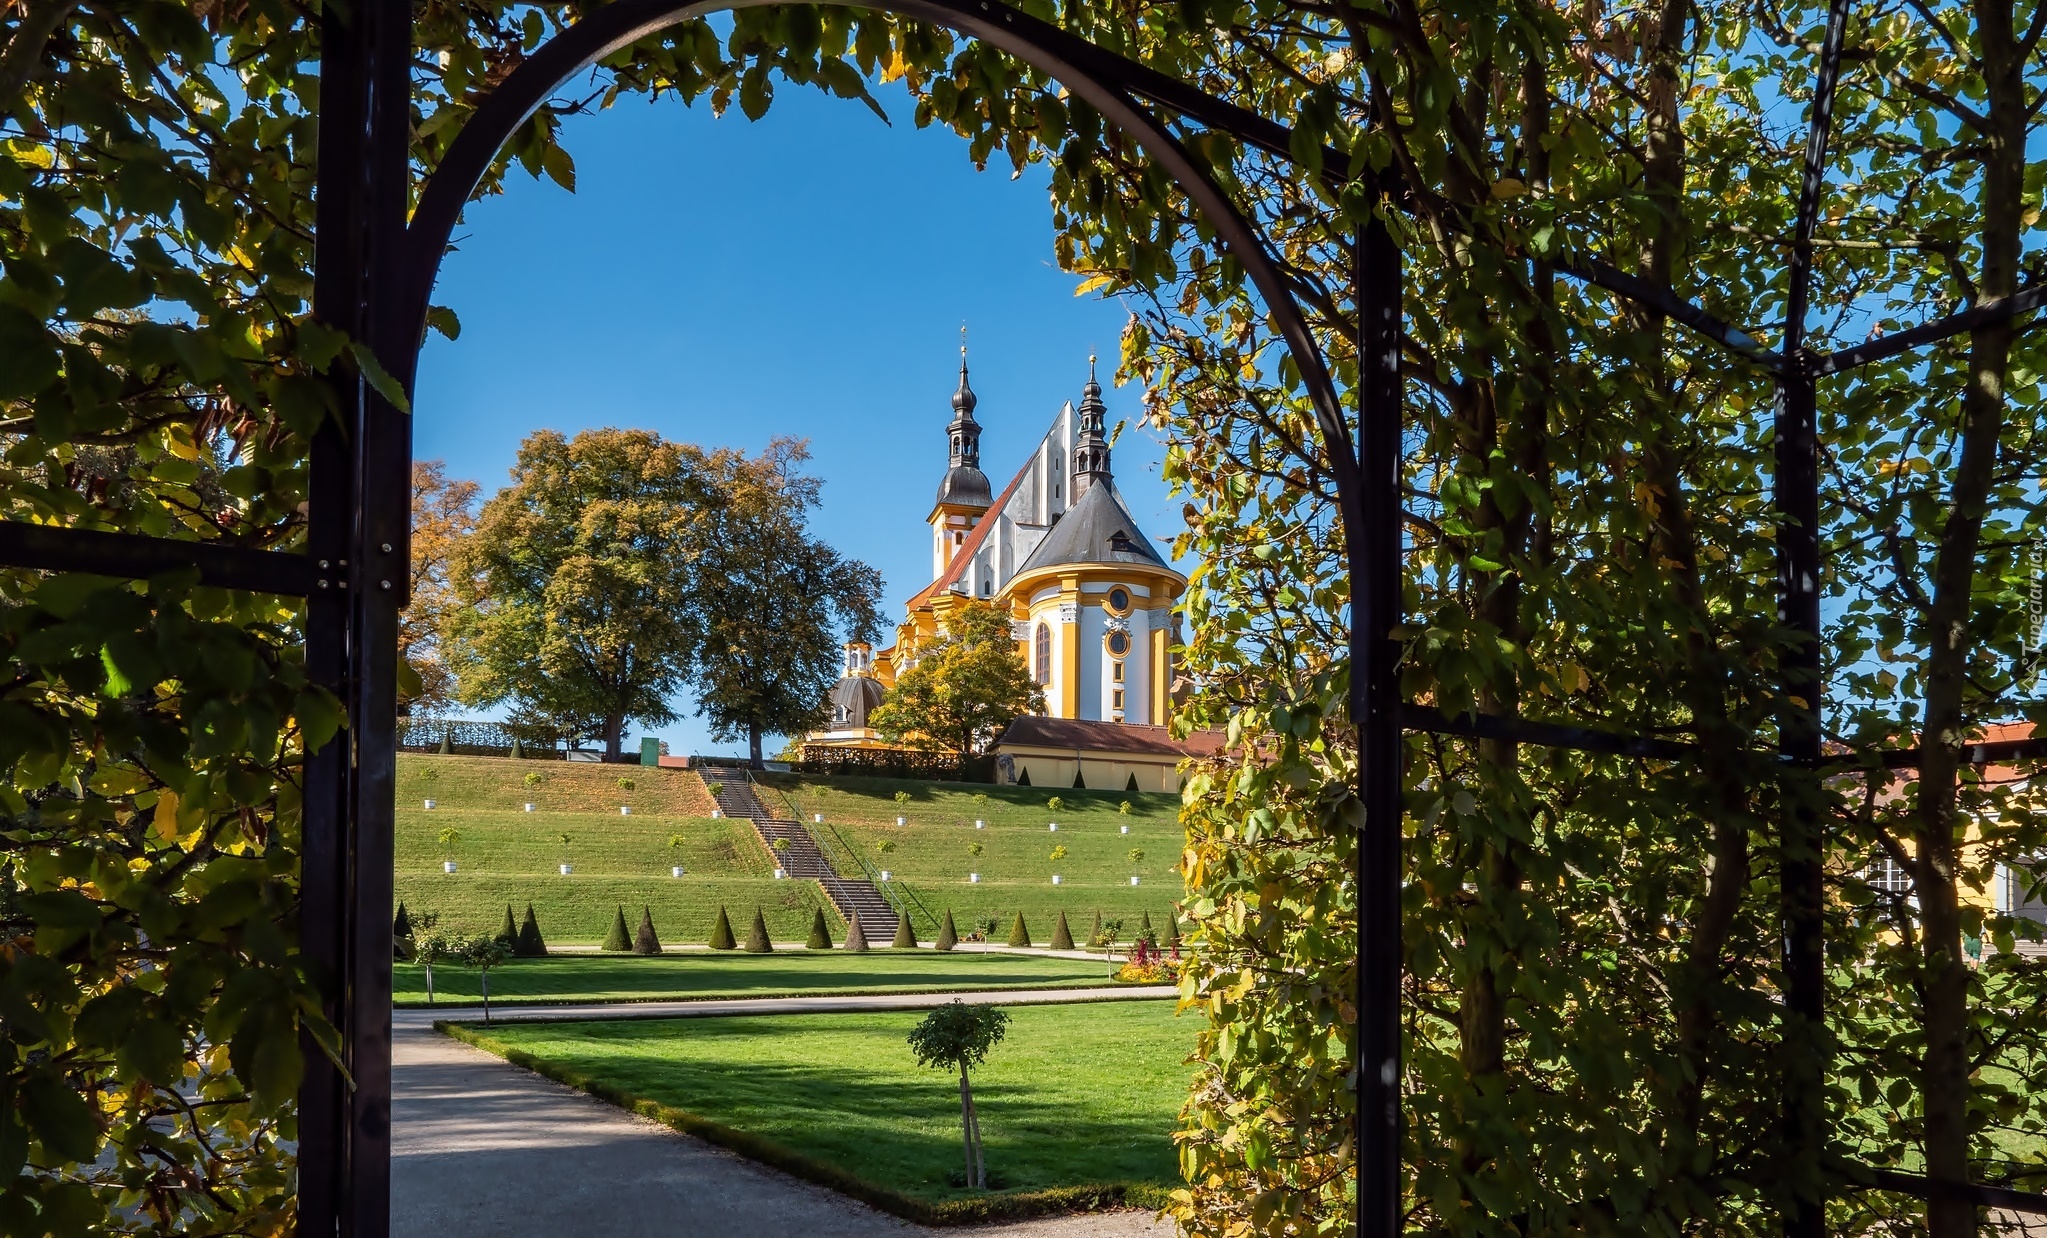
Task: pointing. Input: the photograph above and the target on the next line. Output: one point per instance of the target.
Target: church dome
(966, 485)
(851, 700)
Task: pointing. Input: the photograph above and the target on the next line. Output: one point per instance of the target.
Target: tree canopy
(575, 585)
(963, 687)
(769, 604)
(443, 515)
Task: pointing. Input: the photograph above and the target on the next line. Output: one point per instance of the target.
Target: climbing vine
(1592, 971)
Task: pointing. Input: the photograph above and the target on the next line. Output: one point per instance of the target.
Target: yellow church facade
(1088, 595)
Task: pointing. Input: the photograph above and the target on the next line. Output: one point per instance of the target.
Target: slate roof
(1097, 529)
(856, 694)
(964, 485)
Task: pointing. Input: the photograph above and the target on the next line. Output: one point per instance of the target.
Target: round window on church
(1119, 601)
(1119, 643)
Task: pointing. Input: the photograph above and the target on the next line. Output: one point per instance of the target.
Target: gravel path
(424, 1016)
(482, 1148)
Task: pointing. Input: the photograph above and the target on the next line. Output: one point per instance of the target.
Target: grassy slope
(507, 855)
(1074, 1094)
(931, 854)
(628, 977)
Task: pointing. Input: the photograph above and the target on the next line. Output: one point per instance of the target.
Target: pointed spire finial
(963, 400)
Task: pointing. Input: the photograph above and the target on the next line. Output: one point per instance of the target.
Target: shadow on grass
(887, 1138)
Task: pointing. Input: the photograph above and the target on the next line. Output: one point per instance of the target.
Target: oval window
(1119, 599)
(1119, 643)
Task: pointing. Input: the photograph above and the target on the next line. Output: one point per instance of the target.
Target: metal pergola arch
(373, 277)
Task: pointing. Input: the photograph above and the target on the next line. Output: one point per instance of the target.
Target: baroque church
(1088, 595)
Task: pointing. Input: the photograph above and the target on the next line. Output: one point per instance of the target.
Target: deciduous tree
(770, 604)
(574, 588)
(958, 1035)
(963, 688)
(443, 515)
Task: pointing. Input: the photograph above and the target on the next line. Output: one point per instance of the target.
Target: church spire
(964, 485)
(1091, 448)
(964, 434)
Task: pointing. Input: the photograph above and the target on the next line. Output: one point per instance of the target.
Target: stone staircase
(802, 858)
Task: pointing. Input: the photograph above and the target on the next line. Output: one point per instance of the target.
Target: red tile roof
(969, 548)
(1080, 734)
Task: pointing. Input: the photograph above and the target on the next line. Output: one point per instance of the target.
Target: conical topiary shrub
(531, 945)
(906, 939)
(757, 937)
(1062, 937)
(1132, 784)
(948, 936)
(518, 752)
(447, 747)
(618, 938)
(1094, 935)
(1144, 927)
(509, 933)
(1023, 778)
(401, 924)
(1172, 941)
(856, 936)
(644, 941)
(820, 932)
(1019, 933)
(721, 933)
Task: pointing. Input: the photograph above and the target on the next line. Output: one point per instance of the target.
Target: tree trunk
(486, 996)
(967, 1125)
(429, 984)
(753, 744)
(1944, 1081)
(614, 734)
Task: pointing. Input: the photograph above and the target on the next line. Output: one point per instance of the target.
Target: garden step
(854, 897)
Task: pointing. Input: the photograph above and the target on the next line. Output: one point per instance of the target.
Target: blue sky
(723, 281)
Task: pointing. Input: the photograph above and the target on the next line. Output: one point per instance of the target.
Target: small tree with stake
(484, 953)
(430, 948)
(961, 1035)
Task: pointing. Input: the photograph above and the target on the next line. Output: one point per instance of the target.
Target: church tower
(964, 494)
(1091, 445)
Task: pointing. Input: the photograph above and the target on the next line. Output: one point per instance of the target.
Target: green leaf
(62, 909)
(61, 1118)
(378, 378)
(13, 1137)
(28, 353)
(560, 169)
(756, 92)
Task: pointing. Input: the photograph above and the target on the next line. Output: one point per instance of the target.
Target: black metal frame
(374, 275)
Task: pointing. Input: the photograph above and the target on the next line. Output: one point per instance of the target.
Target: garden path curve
(482, 1148)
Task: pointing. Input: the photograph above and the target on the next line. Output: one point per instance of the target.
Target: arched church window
(1044, 652)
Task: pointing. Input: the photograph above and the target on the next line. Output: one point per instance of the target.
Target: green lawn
(630, 977)
(1074, 1095)
(507, 855)
(932, 856)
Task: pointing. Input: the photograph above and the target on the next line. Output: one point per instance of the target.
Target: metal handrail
(887, 889)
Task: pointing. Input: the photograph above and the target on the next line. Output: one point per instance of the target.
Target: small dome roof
(966, 485)
(850, 701)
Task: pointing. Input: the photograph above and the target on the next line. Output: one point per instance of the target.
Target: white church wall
(1137, 669)
(1093, 689)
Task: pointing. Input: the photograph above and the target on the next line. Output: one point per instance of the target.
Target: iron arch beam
(1044, 47)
